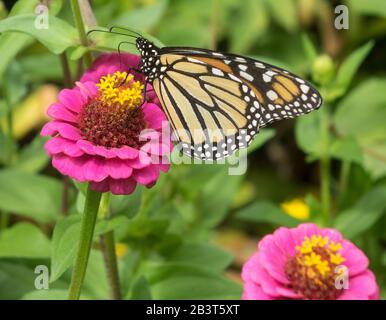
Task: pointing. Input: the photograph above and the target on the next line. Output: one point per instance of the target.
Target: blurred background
(196, 228)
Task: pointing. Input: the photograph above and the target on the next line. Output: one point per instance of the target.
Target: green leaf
(347, 149)
(24, 240)
(175, 281)
(214, 204)
(266, 212)
(65, 240)
(140, 290)
(252, 23)
(31, 195)
(308, 133)
(15, 280)
(12, 43)
(32, 158)
(349, 68)
(309, 48)
(361, 115)
(369, 7)
(144, 17)
(364, 214)
(57, 37)
(202, 255)
(284, 12)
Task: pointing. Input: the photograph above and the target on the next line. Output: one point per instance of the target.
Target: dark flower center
(312, 270)
(114, 118)
(106, 126)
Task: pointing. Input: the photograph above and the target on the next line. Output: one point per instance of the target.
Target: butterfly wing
(217, 102)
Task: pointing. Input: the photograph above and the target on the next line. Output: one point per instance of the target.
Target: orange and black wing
(216, 102)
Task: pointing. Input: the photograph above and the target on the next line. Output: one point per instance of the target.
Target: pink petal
(87, 89)
(68, 166)
(60, 145)
(102, 186)
(66, 130)
(59, 112)
(118, 169)
(356, 261)
(153, 115)
(253, 291)
(273, 259)
(122, 186)
(146, 175)
(72, 99)
(284, 240)
(94, 169)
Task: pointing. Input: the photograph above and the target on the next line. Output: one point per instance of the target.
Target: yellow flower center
(312, 270)
(296, 208)
(120, 89)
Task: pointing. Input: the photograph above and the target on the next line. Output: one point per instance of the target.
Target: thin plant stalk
(81, 30)
(325, 164)
(88, 223)
(107, 246)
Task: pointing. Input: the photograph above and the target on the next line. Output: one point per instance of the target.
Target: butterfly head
(149, 58)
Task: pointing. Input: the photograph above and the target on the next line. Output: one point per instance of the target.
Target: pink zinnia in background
(307, 262)
(103, 134)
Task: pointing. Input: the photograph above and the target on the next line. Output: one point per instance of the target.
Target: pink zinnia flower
(101, 135)
(307, 262)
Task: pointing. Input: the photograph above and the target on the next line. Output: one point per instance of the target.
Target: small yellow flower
(296, 208)
(120, 88)
(121, 249)
(336, 258)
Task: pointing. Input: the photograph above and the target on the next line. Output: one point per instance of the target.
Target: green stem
(11, 143)
(85, 241)
(325, 163)
(107, 246)
(81, 30)
(4, 220)
(66, 70)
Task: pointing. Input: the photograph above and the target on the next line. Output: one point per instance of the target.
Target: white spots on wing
(270, 73)
(256, 104)
(304, 97)
(246, 76)
(243, 67)
(245, 88)
(266, 78)
(234, 78)
(247, 98)
(272, 95)
(163, 69)
(259, 65)
(218, 54)
(217, 72)
(240, 59)
(304, 88)
(299, 80)
(227, 61)
(271, 107)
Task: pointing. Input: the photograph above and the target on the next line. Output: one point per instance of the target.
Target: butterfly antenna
(125, 29)
(119, 51)
(111, 32)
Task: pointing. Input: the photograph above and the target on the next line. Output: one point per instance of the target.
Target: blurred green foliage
(171, 230)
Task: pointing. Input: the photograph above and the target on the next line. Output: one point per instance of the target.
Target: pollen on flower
(311, 270)
(120, 88)
(114, 118)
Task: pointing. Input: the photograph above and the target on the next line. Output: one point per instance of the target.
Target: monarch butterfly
(217, 102)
